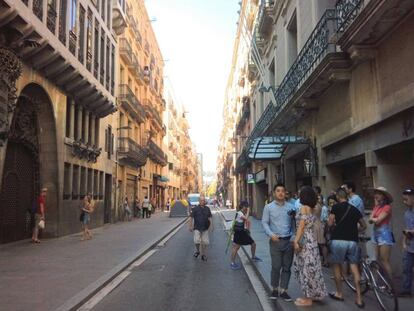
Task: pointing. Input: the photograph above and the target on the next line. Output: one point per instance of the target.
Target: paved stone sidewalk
(263, 269)
(58, 272)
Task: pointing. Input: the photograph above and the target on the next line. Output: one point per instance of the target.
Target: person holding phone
(408, 243)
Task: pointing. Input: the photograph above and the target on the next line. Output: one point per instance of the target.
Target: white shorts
(201, 237)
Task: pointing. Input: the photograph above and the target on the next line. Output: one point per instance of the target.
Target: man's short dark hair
(318, 189)
(308, 196)
(350, 185)
(279, 184)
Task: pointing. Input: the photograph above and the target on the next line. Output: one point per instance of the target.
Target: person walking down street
(150, 209)
(344, 220)
(137, 207)
(242, 235)
(382, 237)
(307, 263)
(39, 215)
(145, 205)
(278, 224)
(201, 222)
(408, 243)
(85, 218)
(321, 213)
(127, 210)
(353, 198)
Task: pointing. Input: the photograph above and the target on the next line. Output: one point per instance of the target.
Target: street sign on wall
(261, 176)
(250, 179)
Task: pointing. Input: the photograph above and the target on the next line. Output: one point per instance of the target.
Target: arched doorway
(23, 173)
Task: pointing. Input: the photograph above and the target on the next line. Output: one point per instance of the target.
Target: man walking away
(344, 243)
(201, 223)
(39, 215)
(145, 206)
(408, 243)
(353, 198)
(278, 224)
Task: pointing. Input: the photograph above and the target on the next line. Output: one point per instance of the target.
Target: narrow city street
(172, 280)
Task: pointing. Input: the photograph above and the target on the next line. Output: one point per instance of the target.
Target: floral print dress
(307, 265)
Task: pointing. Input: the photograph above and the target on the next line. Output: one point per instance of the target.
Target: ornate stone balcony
(119, 20)
(155, 115)
(85, 151)
(265, 20)
(130, 103)
(131, 153)
(156, 154)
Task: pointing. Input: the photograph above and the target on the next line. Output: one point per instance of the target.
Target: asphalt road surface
(172, 280)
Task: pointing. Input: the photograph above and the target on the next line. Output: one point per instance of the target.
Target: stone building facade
(335, 99)
(140, 129)
(64, 99)
(236, 113)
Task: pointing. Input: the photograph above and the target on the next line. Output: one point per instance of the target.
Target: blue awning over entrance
(272, 147)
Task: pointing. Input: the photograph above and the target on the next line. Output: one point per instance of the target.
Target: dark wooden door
(17, 193)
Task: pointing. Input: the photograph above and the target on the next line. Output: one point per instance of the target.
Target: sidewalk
(264, 268)
(60, 273)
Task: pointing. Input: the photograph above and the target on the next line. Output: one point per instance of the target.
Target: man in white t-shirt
(145, 207)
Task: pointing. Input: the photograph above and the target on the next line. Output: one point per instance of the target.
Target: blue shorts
(342, 251)
(383, 236)
(86, 219)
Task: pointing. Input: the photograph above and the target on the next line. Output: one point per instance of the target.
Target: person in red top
(39, 215)
(382, 237)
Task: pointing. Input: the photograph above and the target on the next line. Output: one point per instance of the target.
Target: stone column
(72, 118)
(86, 126)
(79, 125)
(93, 142)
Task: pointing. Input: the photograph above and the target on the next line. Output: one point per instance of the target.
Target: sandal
(204, 258)
(301, 303)
(334, 297)
(196, 254)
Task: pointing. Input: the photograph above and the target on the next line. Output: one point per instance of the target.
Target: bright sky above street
(196, 39)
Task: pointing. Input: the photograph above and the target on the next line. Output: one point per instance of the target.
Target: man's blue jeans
(408, 265)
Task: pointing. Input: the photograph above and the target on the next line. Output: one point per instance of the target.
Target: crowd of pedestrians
(308, 232)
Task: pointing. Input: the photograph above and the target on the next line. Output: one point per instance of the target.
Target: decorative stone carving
(85, 151)
(10, 71)
(24, 127)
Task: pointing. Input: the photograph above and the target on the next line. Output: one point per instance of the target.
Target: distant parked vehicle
(194, 199)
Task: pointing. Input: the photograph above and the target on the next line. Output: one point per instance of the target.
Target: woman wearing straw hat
(382, 238)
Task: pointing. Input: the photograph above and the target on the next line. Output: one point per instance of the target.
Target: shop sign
(250, 179)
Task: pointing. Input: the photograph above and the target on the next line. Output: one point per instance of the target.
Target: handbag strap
(343, 217)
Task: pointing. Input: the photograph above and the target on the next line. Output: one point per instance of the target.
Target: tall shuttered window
(89, 31)
(81, 51)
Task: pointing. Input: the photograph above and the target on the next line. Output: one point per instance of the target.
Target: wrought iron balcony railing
(131, 152)
(154, 113)
(131, 103)
(346, 13)
(316, 48)
(139, 37)
(156, 153)
(125, 50)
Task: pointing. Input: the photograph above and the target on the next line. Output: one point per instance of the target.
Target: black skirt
(242, 238)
